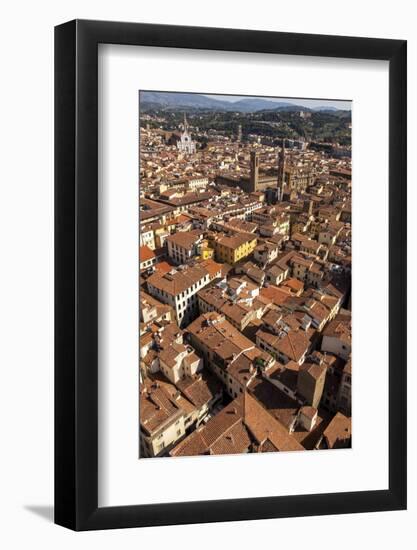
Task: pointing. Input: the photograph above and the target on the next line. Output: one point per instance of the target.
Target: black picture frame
(76, 271)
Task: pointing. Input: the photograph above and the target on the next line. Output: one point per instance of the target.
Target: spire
(185, 123)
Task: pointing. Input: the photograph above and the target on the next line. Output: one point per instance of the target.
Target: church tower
(254, 171)
(281, 172)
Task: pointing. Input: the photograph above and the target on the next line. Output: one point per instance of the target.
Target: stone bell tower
(281, 172)
(254, 170)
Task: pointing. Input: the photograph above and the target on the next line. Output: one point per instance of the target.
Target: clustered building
(245, 297)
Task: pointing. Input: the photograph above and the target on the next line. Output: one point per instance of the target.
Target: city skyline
(245, 250)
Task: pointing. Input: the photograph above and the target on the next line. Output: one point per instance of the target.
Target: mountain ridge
(169, 100)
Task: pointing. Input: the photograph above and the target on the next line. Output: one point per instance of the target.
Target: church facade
(185, 144)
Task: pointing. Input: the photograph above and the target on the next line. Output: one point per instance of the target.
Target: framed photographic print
(230, 275)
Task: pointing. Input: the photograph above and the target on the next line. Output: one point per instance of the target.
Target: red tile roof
(145, 253)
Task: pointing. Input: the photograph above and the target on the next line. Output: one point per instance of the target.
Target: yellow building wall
(231, 256)
(207, 253)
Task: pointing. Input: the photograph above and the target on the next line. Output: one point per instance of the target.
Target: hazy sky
(312, 103)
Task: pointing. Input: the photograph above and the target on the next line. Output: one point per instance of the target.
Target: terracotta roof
(236, 240)
(169, 354)
(219, 335)
(266, 446)
(212, 267)
(183, 218)
(176, 281)
(150, 208)
(294, 284)
(241, 225)
(293, 344)
(146, 301)
(276, 295)
(278, 404)
(213, 296)
(339, 328)
(313, 369)
(145, 253)
(339, 432)
(223, 434)
(200, 389)
(272, 317)
(264, 427)
(185, 405)
(157, 408)
(235, 312)
(235, 441)
(163, 267)
(311, 244)
(189, 198)
(184, 239)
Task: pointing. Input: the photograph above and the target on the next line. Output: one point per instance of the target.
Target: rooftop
(176, 281)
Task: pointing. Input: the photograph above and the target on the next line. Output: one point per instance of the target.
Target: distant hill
(175, 100)
(251, 105)
(326, 109)
(171, 100)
